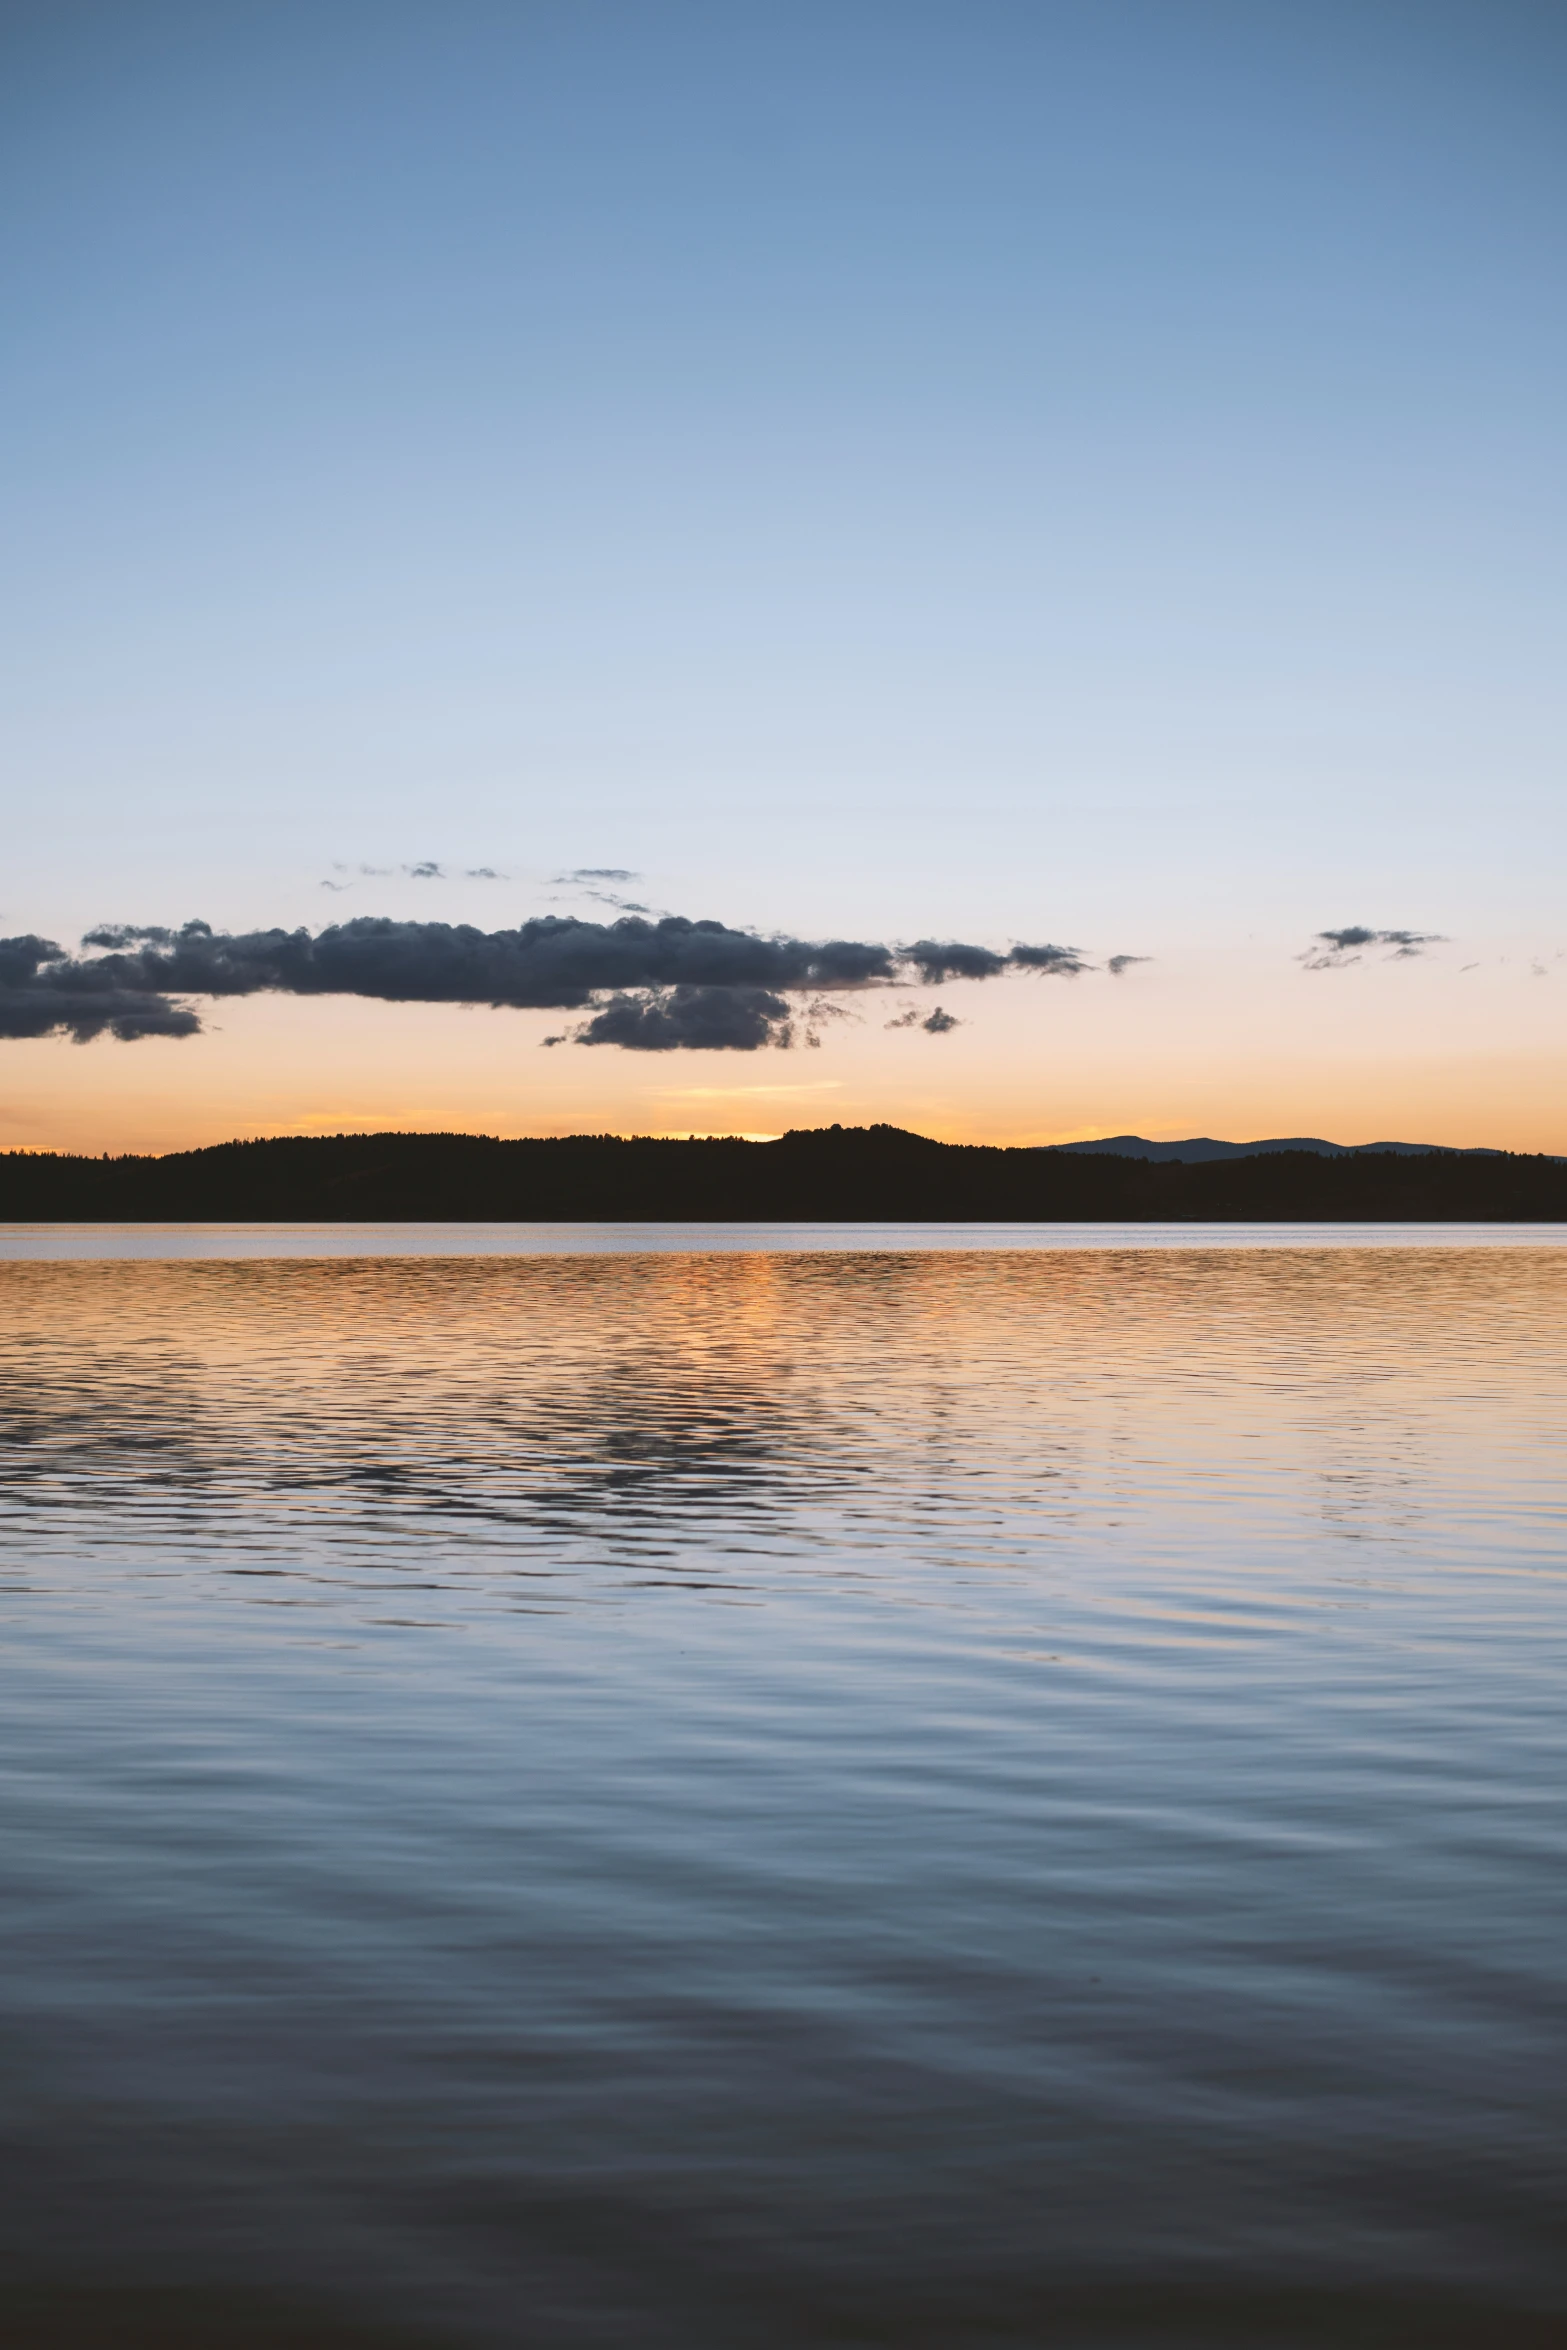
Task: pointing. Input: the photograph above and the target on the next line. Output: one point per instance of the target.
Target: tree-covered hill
(831, 1173)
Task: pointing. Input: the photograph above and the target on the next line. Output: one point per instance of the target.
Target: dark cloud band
(669, 982)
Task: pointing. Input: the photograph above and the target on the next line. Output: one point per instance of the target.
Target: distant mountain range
(1203, 1146)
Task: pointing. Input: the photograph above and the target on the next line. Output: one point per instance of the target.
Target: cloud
(937, 960)
(815, 1015)
(45, 992)
(936, 1023)
(644, 983)
(1061, 962)
(1119, 963)
(426, 869)
(583, 880)
(1330, 950)
(703, 1019)
(551, 962)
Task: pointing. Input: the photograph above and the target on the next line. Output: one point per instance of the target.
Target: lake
(704, 1789)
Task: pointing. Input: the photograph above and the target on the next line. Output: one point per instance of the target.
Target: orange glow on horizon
(1217, 1045)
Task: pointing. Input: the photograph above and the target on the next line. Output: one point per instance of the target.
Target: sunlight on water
(737, 1797)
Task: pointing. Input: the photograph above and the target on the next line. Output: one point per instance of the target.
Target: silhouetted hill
(1203, 1146)
(830, 1173)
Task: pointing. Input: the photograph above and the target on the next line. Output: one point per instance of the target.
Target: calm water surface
(713, 1798)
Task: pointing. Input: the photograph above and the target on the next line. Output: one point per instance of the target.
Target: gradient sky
(1076, 472)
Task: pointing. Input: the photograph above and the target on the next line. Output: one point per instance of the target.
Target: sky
(1082, 475)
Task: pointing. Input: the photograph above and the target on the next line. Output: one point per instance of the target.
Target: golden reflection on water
(366, 1402)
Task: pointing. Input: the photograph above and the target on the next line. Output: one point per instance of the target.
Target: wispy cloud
(1330, 950)
(425, 869)
(586, 881)
(936, 1023)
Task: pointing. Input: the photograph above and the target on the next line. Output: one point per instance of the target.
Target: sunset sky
(1085, 475)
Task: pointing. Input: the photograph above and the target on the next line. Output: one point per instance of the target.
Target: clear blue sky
(1080, 471)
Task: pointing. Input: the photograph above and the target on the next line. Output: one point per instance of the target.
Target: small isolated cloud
(427, 870)
(1119, 963)
(482, 873)
(1332, 949)
(935, 1023)
(598, 873)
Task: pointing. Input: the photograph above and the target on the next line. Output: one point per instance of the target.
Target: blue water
(742, 1796)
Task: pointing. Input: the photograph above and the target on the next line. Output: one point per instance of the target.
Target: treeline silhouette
(824, 1173)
